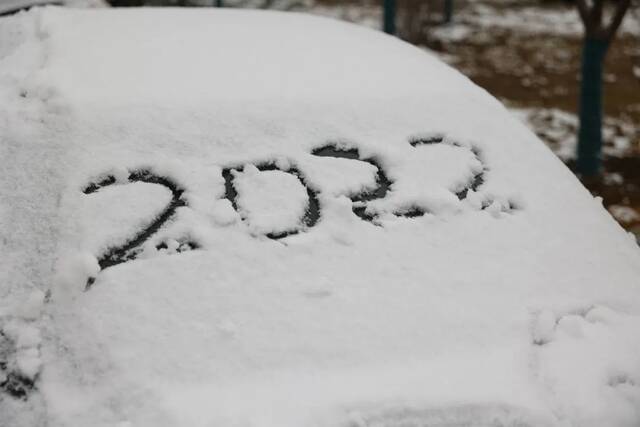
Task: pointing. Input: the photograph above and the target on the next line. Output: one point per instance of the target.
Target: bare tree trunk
(598, 37)
(448, 11)
(590, 133)
(389, 24)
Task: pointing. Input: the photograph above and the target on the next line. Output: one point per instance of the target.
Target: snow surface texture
(226, 218)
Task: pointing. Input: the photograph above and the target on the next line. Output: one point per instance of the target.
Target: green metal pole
(389, 16)
(219, 3)
(590, 133)
(448, 11)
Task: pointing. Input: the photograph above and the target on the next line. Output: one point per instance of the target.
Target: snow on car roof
(219, 217)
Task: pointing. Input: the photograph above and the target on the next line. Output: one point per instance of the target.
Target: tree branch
(621, 10)
(596, 13)
(583, 9)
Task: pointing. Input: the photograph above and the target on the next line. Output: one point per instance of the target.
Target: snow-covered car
(234, 218)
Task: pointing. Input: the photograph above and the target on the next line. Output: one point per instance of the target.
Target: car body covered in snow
(225, 218)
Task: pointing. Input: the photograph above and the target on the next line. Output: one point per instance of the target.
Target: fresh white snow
(485, 285)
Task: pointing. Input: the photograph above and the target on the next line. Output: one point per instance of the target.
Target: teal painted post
(389, 24)
(219, 3)
(590, 133)
(448, 11)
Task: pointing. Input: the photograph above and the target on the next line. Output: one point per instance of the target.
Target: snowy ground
(224, 218)
(525, 17)
(560, 129)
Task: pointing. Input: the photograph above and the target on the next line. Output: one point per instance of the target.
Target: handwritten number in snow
(383, 183)
(131, 248)
(311, 215)
(359, 200)
(478, 178)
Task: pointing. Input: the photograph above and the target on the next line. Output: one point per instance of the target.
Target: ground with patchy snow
(224, 218)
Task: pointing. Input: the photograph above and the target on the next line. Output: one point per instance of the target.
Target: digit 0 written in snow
(223, 217)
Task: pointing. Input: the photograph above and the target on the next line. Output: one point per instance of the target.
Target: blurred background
(529, 54)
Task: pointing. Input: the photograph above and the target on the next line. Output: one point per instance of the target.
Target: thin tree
(599, 33)
(447, 11)
(389, 16)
